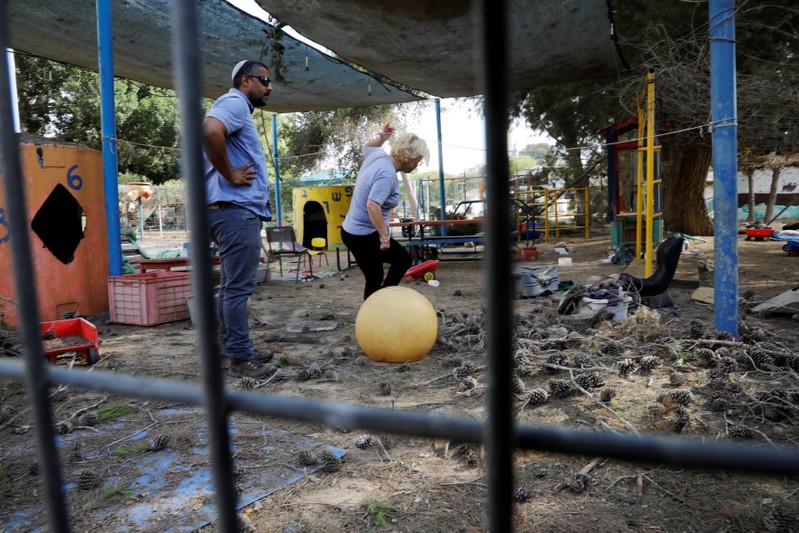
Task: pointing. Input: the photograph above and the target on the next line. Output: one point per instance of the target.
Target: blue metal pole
(278, 207)
(725, 163)
(109, 128)
(441, 167)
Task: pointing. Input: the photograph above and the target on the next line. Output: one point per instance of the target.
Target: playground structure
(644, 225)
(319, 212)
(66, 220)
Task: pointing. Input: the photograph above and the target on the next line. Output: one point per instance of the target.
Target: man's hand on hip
(244, 175)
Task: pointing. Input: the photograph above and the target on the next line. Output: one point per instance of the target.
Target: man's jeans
(237, 232)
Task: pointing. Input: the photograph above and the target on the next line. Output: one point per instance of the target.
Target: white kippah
(236, 69)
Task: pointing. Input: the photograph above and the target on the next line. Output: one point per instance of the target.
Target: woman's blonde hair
(406, 147)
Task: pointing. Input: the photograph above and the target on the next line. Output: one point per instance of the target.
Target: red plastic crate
(149, 299)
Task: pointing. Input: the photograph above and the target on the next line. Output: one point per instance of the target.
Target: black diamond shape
(59, 224)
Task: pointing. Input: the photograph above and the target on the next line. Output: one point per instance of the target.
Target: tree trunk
(684, 177)
(772, 194)
(750, 178)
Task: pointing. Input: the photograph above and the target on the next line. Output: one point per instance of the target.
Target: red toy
(759, 234)
(71, 335)
(425, 271)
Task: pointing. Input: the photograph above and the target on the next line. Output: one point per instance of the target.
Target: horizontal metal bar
(673, 451)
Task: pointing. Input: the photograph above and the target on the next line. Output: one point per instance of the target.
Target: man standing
(237, 190)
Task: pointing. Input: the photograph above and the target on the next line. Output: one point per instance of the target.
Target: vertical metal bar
(278, 205)
(639, 189)
(188, 73)
(35, 377)
(500, 440)
(650, 169)
(109, 127)
(725, 163)
(441, 188)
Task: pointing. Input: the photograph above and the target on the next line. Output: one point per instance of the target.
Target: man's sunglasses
(263, 79)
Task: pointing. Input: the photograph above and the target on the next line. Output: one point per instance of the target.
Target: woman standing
(365, 230)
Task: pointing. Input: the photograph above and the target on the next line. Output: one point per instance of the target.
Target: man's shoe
(262, 356)
(250, 369)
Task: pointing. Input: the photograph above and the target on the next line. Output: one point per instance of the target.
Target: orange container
(66, 223)
(149, 299)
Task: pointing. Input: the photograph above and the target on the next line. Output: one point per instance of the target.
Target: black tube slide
(667, 257)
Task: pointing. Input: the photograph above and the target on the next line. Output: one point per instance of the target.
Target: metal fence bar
(672, 451)
(37, 386)
(499, 438)
(187, 70)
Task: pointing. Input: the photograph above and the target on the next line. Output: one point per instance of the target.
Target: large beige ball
(396, 325)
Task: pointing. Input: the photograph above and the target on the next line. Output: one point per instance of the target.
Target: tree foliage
(671, 37)
(63, 101)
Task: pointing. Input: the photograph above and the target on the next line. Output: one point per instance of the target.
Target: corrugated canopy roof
(66, 31)
(432, 45)
(424, 44)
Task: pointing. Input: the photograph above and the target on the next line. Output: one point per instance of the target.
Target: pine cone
(363, 442)
(727, 365)
(705, 356)
(86, 480)
(677, 378)
(761, 359)
(88, 418)
(307, 458)
(558, 359)
(517, 385)
(696, 329)
(247, 383)
(387, 441)
(718, 404)
(677, 397)
(611, 349)
(781, 519)
(469, 382)
(538, 397)
(62, 428)
(739, 432)
(627, 367)
(607, 395)
(578, 482)
(724, 336)
(648, 362)
(466, 369)
(330, 462)
(682, 417)
(521, 495)
(159, 442)
(589, 380)
(582, 360)
(561, 388)
(303, 374)
(385, 388)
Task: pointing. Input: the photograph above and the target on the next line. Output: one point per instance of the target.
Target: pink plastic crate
(149, 299)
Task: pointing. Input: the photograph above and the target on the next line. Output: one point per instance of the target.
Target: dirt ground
(662, 371)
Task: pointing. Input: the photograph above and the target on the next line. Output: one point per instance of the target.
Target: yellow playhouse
(319, 212)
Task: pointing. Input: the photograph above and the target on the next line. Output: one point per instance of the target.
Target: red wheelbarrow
(64, 340)
(425, 271)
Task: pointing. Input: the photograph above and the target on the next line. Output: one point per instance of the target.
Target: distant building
(786, 204)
